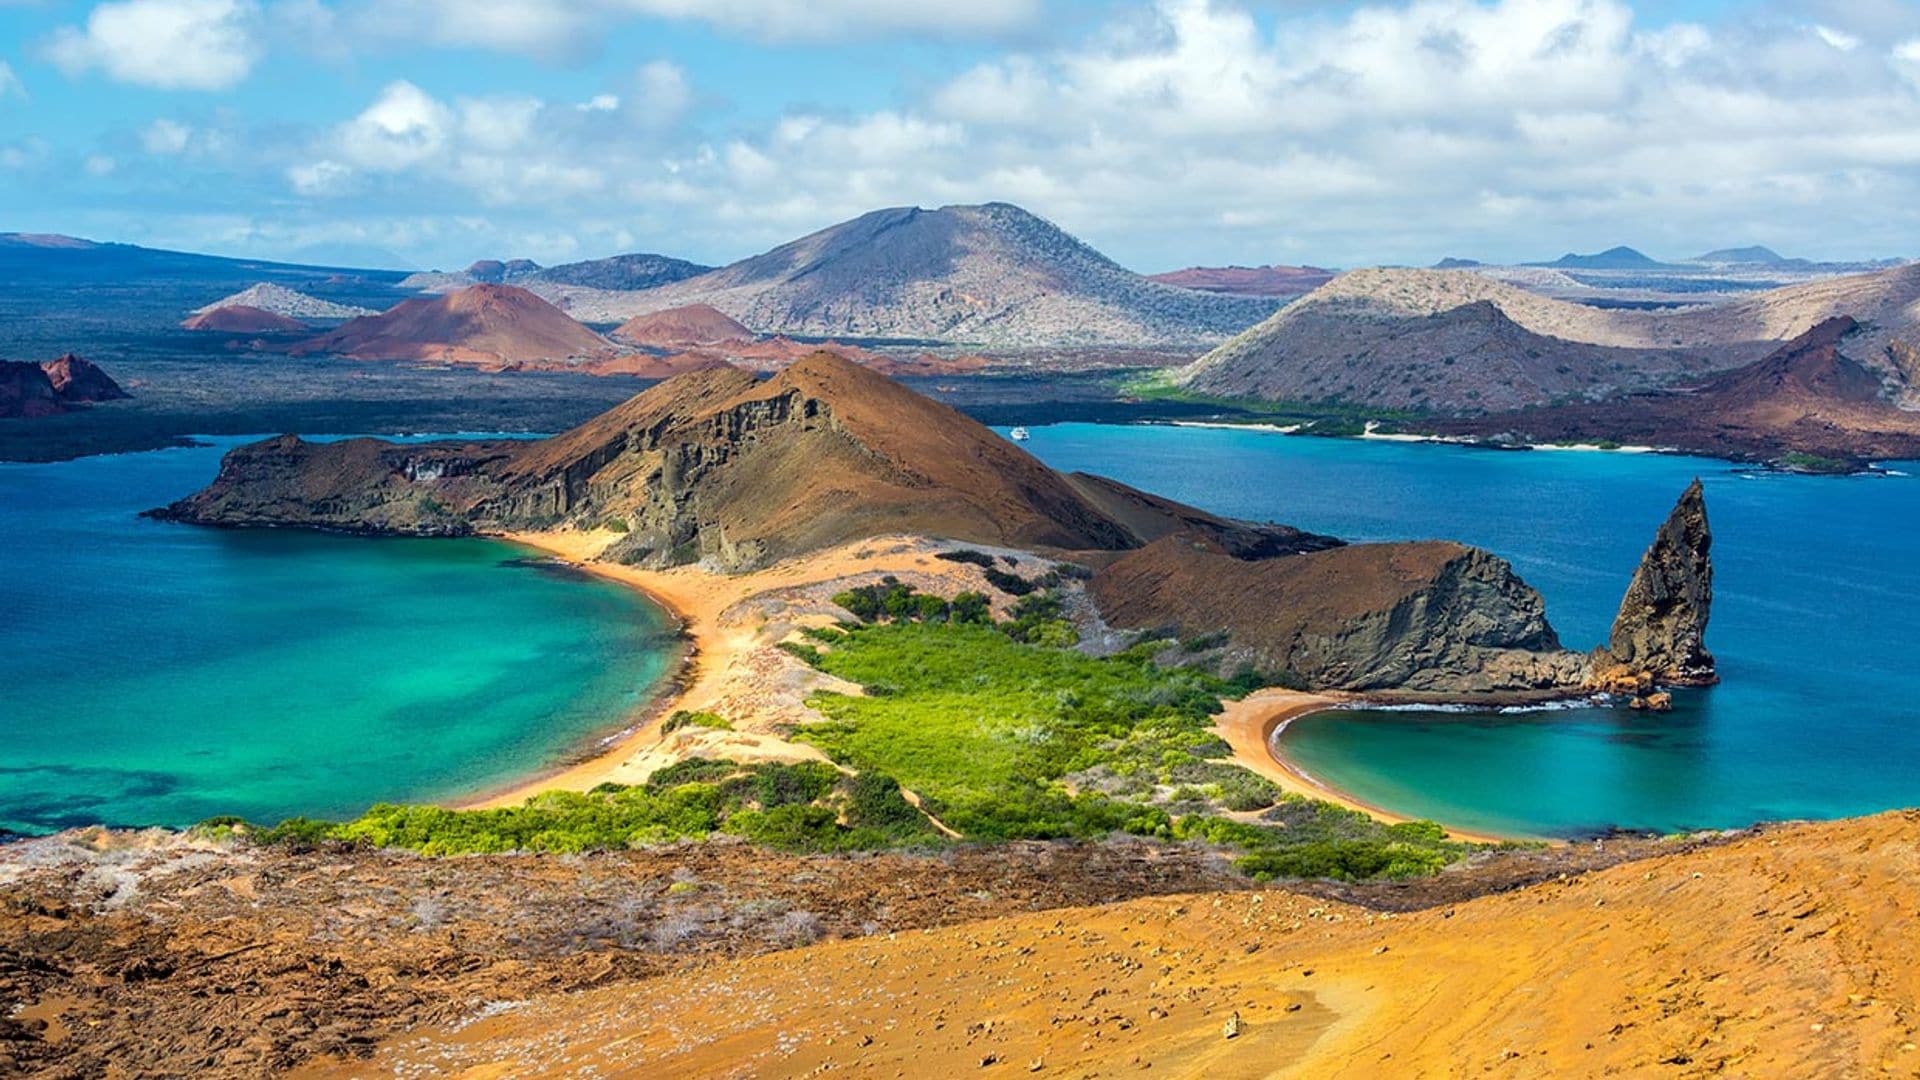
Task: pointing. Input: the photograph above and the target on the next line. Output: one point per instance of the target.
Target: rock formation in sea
(1660, 633)
(719, 468)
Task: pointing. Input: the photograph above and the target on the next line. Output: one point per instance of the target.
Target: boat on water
(1020, 434)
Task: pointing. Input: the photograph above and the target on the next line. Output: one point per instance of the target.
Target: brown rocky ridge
(1340, 618)
(482, 324)
(1807, 397)
(721, 469)
(29, 390)
(241, 319)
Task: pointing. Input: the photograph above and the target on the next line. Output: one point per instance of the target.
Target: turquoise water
(1816, 624)
(153, 673)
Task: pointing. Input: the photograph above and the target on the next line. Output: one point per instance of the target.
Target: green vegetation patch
(808, 806)
(1007, 737)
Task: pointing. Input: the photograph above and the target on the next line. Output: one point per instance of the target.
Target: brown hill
(716, 466)
(1785, 953)
(482, 324)
(29, 390)
(681, 328)
(1247, 280)
(1808, 397)
(77, 380)
(26, 392)
(241, 319)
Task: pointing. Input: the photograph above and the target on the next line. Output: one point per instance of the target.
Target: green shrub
(683, 718)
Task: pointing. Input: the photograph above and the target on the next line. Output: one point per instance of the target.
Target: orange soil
(1785, 954)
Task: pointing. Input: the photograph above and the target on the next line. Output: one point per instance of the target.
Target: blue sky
(1173, 132)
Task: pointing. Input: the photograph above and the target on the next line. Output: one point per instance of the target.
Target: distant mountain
(622, 272)
(1451, 340)
(241, 319)
(992, 274)
(1809, 397)
(280, 300)
(45, 242)
(1764, 256)
(1458, 340)
(1615, 258)
(681, 328)
(482, 324)
(494, 272)
(1247, 280)
(1451, 263)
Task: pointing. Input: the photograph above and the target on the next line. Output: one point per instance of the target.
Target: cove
(1815, 622)
(159, 674)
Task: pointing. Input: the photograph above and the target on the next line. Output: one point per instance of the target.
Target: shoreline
(1249, 725)
(696, 600)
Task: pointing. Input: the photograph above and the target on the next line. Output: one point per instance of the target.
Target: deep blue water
(1816, 624)
(154, 673)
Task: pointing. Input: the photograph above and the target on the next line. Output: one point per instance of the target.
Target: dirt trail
(1788, 953)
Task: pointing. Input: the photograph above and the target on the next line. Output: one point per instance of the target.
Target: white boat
(1020, 434)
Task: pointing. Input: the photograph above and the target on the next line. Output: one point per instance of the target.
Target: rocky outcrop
(77, 380)
(30, 390)
(1659, 636)
(1433, 619)
(26, 392)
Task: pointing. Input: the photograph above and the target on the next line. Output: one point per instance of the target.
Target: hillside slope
(992, 274)
(1781, 954)
(1810, 396)
(1462, 341)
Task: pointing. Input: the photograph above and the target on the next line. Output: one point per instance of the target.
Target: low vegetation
(806, 806)
(1001, 729)
(1005, 732)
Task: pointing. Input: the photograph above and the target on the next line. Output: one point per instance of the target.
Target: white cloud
(1193, 130)
(10, 84)
(1839, 39)
(165, 137)
(166, 44)
(404, 127)
(99, 165)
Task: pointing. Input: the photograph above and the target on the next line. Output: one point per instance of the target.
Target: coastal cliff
(723, 470)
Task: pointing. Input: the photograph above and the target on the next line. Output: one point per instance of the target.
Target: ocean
(1816, 623)
(158, 674)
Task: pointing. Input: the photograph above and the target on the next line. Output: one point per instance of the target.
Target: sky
(1167, 133)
